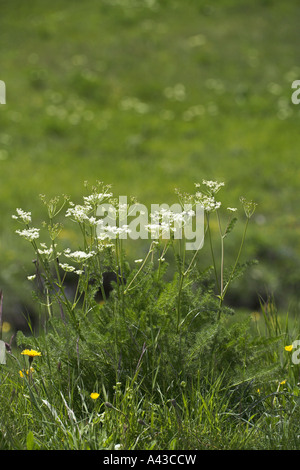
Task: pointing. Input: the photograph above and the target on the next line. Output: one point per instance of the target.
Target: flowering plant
(118, 314)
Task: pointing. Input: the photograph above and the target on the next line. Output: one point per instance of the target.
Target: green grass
(91, 94)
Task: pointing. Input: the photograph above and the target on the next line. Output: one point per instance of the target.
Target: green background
(152, 95)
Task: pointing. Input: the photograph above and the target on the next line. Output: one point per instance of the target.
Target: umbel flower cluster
(86, 215)
(162, 220)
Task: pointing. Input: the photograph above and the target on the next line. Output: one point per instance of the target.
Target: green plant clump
(154, 359)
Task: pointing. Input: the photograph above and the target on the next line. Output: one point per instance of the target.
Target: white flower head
(79, 213)
(208, 203)
(67, 267)
(48, 252)
(93, 221)
(96, 198)
(111, 232)
(213, 186)
(78, 256)
(79, 272)
(29, 234)
(22, 215)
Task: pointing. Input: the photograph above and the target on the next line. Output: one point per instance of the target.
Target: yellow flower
(94, 395)
(6, 327)
(21, 372)
(31, 353)
(283, 382)
(289, 348)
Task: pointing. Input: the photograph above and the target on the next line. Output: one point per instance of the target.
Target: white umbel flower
(207, 202)
(29, 234)
(23, 216)
(66, 267)
(78, 256)
(96, 198)
(213, 186)
(79, 213)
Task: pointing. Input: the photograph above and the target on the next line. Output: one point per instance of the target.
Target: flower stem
(224, 290)
(212, 251)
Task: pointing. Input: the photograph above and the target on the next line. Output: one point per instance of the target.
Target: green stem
(222, 255)
(234, 267)
(160, 259)
(194, 257)
(128, 288)
(53, 284)
(182, 275)
(119, 273)
(212, 251)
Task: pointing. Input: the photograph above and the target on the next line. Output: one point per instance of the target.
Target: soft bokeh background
(152, 95)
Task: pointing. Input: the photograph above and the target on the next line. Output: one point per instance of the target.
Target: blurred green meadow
(149, 96)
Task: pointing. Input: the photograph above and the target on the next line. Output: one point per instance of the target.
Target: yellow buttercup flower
(31, 353)
(94, 395)
(289, 348)
(283, 382)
